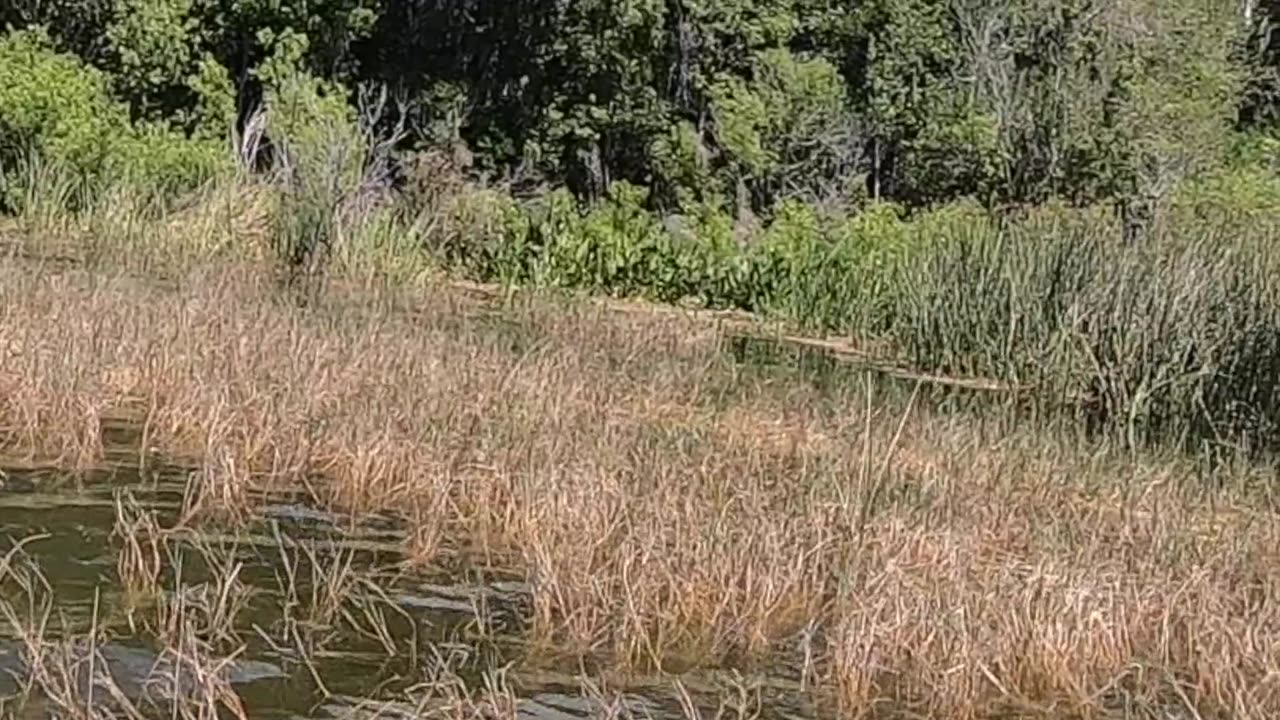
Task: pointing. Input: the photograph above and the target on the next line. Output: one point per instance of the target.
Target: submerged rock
(139, 673)
(16, 483)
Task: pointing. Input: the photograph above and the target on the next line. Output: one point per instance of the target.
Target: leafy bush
(719, 273)
(54, 106)
(828, 272)
(165, 163)
(617, 246)
(1248, 194)
(481, 232)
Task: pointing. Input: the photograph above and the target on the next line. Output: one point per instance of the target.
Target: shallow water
(343, 667)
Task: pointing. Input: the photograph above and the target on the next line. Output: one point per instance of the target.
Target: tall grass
(1172, 339)
(1167, 340)
(670, 509)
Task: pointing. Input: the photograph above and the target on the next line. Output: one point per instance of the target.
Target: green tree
(788, 131)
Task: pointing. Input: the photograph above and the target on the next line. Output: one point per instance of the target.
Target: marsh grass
(442, 693)
(141, 557)
(66, 674)
(1170, 340)
(184, 594)
(329, 599)
(671, 509)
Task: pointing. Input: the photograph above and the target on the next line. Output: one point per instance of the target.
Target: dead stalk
(669, 508)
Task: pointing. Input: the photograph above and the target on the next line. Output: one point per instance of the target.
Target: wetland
(218, 502)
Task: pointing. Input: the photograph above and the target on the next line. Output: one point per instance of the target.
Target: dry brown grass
(673, 512)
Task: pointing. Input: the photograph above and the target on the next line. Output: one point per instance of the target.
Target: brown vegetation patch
(671, 513)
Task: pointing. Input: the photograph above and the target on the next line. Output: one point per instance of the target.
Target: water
(399, 643)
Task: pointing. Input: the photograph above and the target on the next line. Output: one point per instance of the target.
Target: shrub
(55, 107)
(1247, 195)
(828, 272)
(480, 232)
(706, 252)
(333, 171)
(165, 163)
(617, 246)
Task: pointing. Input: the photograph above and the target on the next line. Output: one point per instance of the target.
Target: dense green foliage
(1079, 195)
(54, 108)
(735, 103)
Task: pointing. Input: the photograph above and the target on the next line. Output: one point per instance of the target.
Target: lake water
(322, 618)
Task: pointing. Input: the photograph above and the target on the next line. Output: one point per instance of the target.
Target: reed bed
(673, 509)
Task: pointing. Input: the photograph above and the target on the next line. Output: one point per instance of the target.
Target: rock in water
(139, 673)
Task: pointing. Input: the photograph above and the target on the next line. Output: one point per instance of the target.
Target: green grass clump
(1172, 338)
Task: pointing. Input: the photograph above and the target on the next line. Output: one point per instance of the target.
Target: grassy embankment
(673, 508)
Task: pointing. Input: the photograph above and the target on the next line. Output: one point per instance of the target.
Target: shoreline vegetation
(673, 507)
(941, 381)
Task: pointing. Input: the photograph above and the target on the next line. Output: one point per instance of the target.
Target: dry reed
(672, 510)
